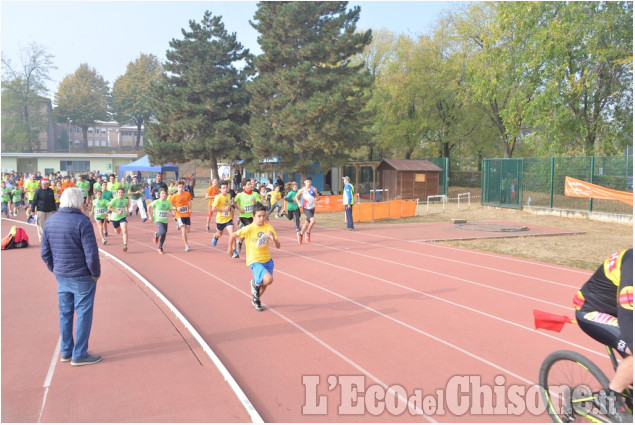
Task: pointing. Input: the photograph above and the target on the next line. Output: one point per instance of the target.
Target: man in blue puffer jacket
(70, 251)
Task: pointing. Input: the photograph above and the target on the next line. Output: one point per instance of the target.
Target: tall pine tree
(201, 102)
(308, 97)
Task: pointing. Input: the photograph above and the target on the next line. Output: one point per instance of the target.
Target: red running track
(377, 308)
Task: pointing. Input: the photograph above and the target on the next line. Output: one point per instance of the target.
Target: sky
(107, 35)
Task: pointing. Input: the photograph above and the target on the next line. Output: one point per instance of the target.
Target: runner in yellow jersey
(257, 237)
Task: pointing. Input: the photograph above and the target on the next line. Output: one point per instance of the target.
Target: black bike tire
(571, 356)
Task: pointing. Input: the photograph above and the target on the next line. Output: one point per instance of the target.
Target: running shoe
(256, 302)
(129, 213)
(300, 238)
(239, 245)
(155, 239)
(187, 248)
(214, 241)
(207, 228)
(125, 248)
(235, 255)
(106, 234)
(104, 241)
(308, 238)
(143, 220)
(160, 250)
(255, 289)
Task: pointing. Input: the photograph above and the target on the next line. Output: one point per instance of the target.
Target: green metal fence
(502, 183)
(541, 181)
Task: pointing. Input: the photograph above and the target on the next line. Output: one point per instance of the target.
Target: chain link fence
(541, 182)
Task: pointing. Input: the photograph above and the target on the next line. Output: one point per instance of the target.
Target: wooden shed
(409, 178)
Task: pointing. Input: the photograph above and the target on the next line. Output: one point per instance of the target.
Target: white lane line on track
(399, 322)
(547, 335)
(509, 322)
(487, 254)
(310, 335)
(49, 375)
(251, 410)
(472, 282)
(462, 262)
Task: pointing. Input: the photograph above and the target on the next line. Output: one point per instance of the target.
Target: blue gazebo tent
(143, 164)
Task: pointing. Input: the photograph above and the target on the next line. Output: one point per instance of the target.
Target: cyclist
(604, 311)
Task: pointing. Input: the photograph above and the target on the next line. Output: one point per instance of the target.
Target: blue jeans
(76, 295)
(349, 216)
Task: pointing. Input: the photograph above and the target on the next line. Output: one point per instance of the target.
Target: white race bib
(225, 214)
(263, 240)
(100, 211)
(310, 205)
(183, 209)
(163, 214)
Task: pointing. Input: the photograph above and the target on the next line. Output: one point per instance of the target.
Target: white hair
(72, 197)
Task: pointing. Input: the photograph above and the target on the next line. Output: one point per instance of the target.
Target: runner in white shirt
(309, 196)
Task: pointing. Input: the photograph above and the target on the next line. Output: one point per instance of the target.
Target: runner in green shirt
(159, 210)
(83, 185)
(6, 198)
(118, 217)
(17, 197)
(245, 202)
(293, 210)
(100, 207)
(136, 199)
(30, 187)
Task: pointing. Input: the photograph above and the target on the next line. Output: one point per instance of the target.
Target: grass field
(585, 251)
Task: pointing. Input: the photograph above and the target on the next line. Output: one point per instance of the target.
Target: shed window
(420, 177)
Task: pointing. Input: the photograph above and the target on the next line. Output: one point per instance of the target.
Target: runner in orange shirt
(212, 191)
(182, 202)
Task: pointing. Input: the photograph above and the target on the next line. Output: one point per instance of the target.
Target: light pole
(69, 135)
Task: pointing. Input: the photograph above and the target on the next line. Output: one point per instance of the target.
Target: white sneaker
(187, 248)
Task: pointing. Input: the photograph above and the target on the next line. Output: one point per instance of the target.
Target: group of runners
(243, 215)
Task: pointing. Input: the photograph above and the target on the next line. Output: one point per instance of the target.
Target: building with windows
(103, 135)
(66, 163)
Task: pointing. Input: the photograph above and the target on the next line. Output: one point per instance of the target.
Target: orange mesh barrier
(582, 189)
(369, 211)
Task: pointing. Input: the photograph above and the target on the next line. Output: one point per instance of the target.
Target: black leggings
(603, 328)
(294, 214)
(162, 232)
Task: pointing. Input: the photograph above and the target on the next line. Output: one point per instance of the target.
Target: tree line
(492, 79)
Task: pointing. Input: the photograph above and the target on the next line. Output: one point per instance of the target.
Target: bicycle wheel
(570, 383)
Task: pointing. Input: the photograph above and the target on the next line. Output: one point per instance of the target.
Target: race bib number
(249, 208)
(225, 214)
(310, 205)
(263, 240)
(100, 211)
(183, 209)
(163, 214)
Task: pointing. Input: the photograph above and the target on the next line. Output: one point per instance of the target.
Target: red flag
(549, 321)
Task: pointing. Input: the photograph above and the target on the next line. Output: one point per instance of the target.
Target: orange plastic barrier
(369, 211)
(582, 189)
(329, 203)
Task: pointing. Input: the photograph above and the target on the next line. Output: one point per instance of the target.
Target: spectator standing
(69, 238)
(158, 185)
(192, 182)
(237, 179)
(44, 205)
(348, 199)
